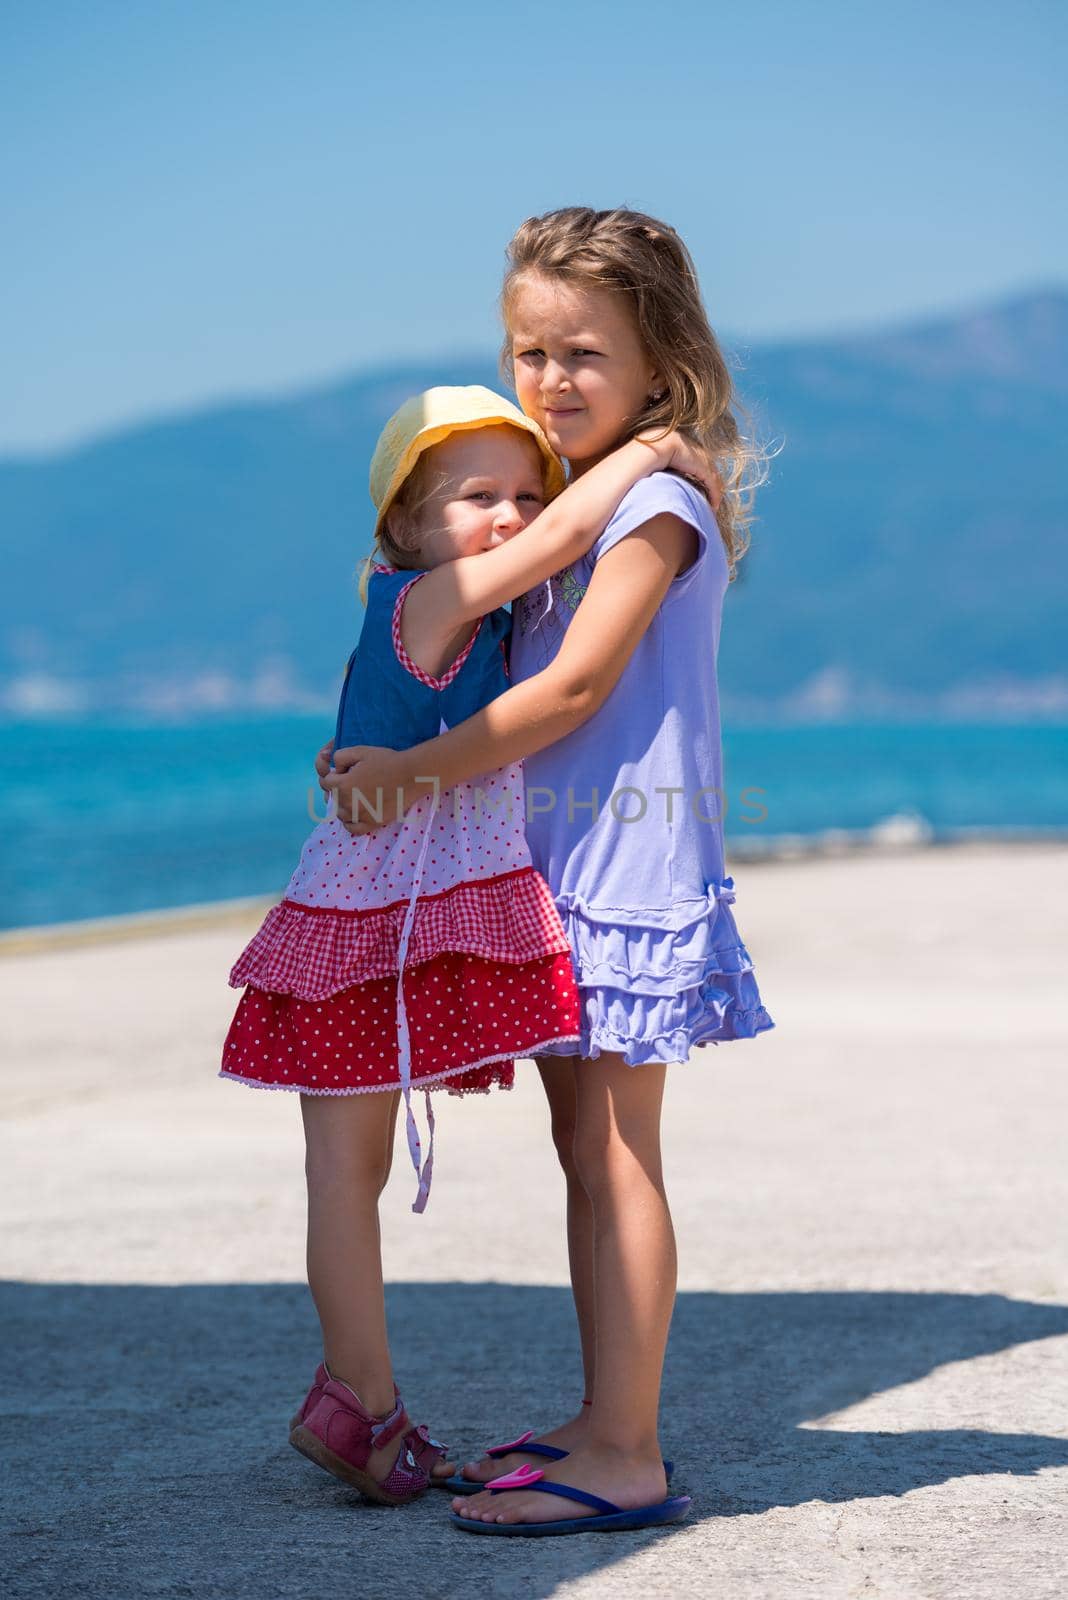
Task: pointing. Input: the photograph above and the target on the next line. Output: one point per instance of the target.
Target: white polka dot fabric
(478, 832)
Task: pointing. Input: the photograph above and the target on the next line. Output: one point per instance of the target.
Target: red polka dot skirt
(487, 977)
(469, 1017)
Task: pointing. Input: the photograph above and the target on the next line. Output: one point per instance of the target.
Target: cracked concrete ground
(867, 1385)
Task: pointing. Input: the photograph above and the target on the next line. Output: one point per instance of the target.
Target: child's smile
(490, 487)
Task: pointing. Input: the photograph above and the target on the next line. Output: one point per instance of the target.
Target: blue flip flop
(608, 1518)
(458, 1484)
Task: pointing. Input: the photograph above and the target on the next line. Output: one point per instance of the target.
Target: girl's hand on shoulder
(677, 453)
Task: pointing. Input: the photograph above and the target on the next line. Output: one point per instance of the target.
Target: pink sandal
(340, 1436)
(313, 1396)
(428, 1452)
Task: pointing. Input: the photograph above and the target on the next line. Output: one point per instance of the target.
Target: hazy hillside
(910, 548)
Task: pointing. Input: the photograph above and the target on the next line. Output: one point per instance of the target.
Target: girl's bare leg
(558, 1081)
(617, 1154)
(636, 1266)
(349, 1144)
(349, 1141)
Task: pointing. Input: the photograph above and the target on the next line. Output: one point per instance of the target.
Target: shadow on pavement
(145, 1428)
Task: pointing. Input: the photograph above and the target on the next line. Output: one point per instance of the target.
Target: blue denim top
(382, 701)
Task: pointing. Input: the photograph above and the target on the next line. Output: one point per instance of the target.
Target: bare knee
(558, 1081)
(617, 1133)
(607, 1166)
(349, 1144)
(334, 1164)
(591, 1159)
(563, 1134)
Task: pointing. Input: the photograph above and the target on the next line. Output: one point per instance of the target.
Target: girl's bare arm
(460, 591)
(626, 589)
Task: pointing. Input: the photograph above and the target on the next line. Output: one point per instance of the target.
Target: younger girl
(615, 709)
(430, 954)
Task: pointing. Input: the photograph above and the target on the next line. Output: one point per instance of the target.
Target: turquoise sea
(105, 818)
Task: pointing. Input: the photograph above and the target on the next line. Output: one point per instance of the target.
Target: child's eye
(581, 351)
(480, 494)
(538, 499)
(530, 354)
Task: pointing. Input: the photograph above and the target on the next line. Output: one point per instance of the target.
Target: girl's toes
(478, 1507)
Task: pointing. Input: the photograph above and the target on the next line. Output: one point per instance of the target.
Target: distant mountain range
(910, 553)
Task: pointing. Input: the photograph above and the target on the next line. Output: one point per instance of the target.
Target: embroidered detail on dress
(571, 591)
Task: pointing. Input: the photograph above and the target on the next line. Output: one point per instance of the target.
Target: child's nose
(509, 518)
(553, 376)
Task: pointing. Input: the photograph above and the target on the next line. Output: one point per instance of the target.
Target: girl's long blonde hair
(645, 259)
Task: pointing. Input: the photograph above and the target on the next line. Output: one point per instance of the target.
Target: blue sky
(206, 200)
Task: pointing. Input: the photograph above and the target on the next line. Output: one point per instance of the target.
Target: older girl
(615, 709)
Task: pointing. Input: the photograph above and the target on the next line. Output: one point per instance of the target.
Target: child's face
(580, 368)
(492, 487)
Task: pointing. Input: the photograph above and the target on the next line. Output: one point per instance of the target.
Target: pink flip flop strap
(506, 1449)
(522, 1478)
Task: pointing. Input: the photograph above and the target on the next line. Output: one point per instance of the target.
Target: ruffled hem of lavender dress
(656, 993)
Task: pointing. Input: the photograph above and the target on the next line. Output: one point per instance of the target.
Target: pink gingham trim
(315, 951)
(405, 659)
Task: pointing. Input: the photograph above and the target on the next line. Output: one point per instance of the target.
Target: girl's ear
(397, 526)
(658, 389)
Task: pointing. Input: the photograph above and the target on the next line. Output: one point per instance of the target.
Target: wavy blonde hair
(645, 259)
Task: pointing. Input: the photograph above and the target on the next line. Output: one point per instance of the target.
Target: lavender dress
(624, 814)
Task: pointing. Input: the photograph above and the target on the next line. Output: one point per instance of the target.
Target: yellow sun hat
(428, 418)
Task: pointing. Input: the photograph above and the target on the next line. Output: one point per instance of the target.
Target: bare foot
(628, 1481)
(566, 1437)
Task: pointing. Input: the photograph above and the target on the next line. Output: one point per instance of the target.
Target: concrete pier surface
(867, 1383)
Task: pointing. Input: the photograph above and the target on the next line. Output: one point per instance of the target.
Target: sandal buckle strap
(397, 1422)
